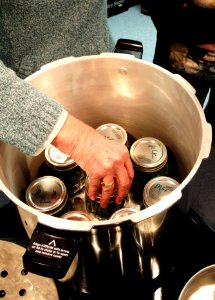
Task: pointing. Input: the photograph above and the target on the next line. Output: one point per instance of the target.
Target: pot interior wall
(141, 97)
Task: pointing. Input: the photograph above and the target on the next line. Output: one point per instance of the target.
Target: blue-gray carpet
(132, 24)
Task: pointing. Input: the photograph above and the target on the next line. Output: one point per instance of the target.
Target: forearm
(76, 139)
(27, 117)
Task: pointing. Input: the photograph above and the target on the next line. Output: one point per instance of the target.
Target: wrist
(71, 135)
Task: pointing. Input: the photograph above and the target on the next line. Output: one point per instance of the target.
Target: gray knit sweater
(33, 33)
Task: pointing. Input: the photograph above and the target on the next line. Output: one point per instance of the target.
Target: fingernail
(118, 201)
(103, 205)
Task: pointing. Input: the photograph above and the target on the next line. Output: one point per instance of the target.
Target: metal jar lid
(57, 159)
(158, 188)
(47, 194)
(123, 212)
(113, 132)
(77, 215)
(148, 154)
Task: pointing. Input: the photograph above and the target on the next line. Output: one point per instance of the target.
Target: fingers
(93, 186)
(111, 188)
(124, 182)
(129, 168)
(104, 162)
(117, 186)
(108, 190)
(101, 189)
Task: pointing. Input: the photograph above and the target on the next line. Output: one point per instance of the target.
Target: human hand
(106, 163)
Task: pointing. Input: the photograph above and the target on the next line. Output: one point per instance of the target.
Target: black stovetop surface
(192, 248)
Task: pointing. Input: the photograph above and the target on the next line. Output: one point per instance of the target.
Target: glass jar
(64, 167)
(48, 194)
(156, 190)
(150, 159)
(149, 155)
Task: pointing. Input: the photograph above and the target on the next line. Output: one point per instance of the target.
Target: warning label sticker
(51, 246)
(49, 250)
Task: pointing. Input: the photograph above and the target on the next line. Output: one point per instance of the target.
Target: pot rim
(64, 224)
(195, 277)
(148, 212)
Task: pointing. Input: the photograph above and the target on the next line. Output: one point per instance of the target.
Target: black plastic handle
(129, 46)
(51, 251)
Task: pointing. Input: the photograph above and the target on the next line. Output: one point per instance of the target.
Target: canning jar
(65, 168)
(150, 159)
(156, 190)
(48, 194)
(93, 206)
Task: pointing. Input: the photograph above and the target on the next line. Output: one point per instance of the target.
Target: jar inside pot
(93, 206)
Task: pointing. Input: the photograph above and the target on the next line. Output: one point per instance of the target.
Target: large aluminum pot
(200, 286)
(145, 100)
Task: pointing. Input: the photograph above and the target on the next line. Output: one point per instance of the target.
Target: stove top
(192, 248)
(186, 238)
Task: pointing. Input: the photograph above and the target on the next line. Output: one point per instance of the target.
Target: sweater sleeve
(28, 118)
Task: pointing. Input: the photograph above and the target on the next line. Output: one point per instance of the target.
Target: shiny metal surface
(158, 188)
(148, 154)
(113, 132)
(47, 194)
(16, 282)
(58, 159)
(78, 215)
(154, 191)
(147, 101)
(201, 286)
(125, 211)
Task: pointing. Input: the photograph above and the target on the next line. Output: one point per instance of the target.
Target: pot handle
(128, 46)
(51, 251)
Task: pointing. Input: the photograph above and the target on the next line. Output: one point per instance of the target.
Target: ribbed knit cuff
(27, 117)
